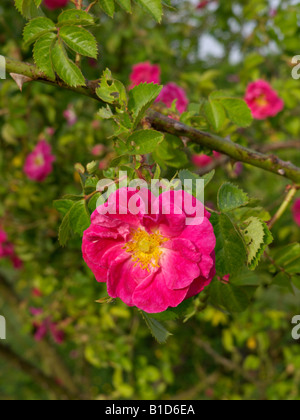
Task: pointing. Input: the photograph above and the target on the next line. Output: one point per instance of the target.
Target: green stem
(284, 206)
(270, 163)
(239, 153)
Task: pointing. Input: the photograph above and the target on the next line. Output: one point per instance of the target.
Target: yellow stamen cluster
(262, 101)
(145, 248)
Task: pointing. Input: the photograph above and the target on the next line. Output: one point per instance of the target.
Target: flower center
(39, 160)
(145, 248)
(262, 101)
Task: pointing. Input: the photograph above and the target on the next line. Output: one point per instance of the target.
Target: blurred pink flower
(203, 4)
(225, 279)
(50, 131)
(3, 237)
(17, 262)
(263, 101)
(38, 164)
(103, 165)
(44, 326)
(96, 124)
(296, 211)
(204, 160)
(145, 73)
(151, 261)
(170, 93)
(36, 292)
(55, 4)
(98, 150)
(70, 116)
(7, 250)
(93, 63)
(238, 168)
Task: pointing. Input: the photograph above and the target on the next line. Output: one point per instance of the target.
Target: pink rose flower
(263, 101)
(170, 93)
(144, 73)
(55, 4)
(45, 326)
(296, 211)
(38, 164)
(150, 259)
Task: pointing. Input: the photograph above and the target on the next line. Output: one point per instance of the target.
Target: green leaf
(144, 141)
(65, 68)
(79, 217)
(233, 298)
(141, 97)
(158, 331)
(75, 17)
(64, 230)
(18, 5)
(238, 112)
(288, 258)
(42, 54)
(154, 7)
(284, 281)
(185, 174)
(296, 281)
(28, 8)
(63, 206)
(108, 6)
(106, 113)
(257, 237)
(119, 160)
(215, 114)
(237, 109)
(287, 255)
(231, 197)
(230, 248)
(37, 28)
(111, 90)
(93, 202)
(79, 40)
(76, 219)
(126, 5)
